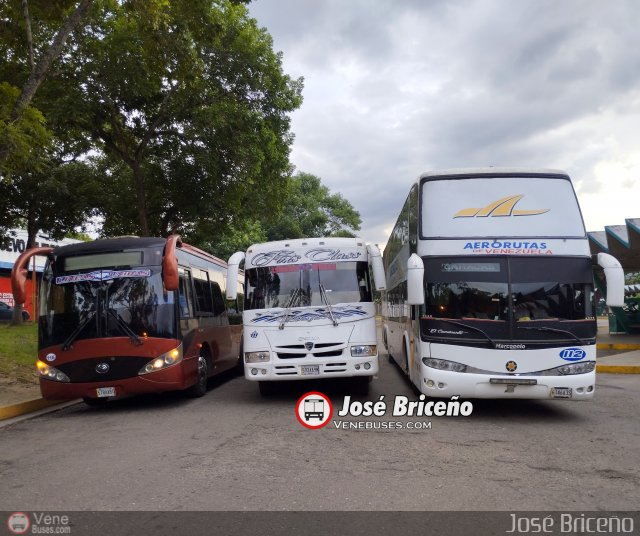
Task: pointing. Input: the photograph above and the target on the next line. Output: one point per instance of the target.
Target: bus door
(213, 324)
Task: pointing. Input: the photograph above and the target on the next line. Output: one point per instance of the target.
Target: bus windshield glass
(525, 292)
(274, 286)
(124, 303)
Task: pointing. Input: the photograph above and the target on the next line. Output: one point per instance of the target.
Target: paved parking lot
(233, 450)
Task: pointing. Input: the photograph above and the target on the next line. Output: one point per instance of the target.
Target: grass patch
(19, 352)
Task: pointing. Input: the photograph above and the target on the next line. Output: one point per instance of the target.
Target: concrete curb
(618, 369)
(617, 346)
(29, 406)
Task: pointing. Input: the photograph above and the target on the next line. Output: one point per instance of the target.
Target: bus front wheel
(360, 385)
(200, 387)
(267, 388)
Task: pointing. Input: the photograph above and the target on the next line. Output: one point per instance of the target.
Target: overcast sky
(394, 88)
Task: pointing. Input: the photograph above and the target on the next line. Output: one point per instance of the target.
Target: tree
(310, 210)
(188, 103)
(38, 71)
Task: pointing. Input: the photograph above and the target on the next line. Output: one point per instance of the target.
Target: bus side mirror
(19, 272)
(615, 279)
(415, 280)
(233, 267)
(170, 262)
(377, 267)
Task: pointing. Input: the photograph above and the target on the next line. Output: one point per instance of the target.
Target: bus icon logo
(314, 410)
(573, 354)
(18, 523)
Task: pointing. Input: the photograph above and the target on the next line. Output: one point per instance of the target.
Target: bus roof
(468, 173)
(299, 243)
(110, 244)
(104, 245)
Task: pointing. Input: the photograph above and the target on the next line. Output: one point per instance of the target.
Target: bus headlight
(51, 373)
(364, 350)
(443, 364)
(257, 357)
(163, 361)
(577, 368)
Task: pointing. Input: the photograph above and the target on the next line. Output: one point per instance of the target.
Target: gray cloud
(393, 89)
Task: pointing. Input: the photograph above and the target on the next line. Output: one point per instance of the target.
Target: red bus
(131, 315)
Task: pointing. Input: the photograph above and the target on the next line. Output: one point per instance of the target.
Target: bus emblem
(308, 346)
(501, 207)
(511, 366)
(102, 368)
(573, 354)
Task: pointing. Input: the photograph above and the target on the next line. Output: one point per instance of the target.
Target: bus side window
(218, 301)
(204, 303)
(185, 297)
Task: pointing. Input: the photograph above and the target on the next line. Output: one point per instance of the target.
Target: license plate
(309, 370)
(561, 392)
(105, 391)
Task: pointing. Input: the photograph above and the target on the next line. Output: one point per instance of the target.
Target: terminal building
(12, 244)
(623, 242)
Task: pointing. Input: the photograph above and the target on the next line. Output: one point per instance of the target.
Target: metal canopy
(621, 241)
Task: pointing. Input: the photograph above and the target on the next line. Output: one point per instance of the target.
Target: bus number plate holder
(309, 370)
(561, 392)
(103, 392)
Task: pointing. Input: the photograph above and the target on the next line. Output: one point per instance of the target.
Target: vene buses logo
(500, 208)
(314, 410)
(18, 523)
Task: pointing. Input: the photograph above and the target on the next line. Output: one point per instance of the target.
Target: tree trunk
(138, 177)
(27, 23)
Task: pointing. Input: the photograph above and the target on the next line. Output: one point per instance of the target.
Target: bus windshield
(129, 304)
(520, 294)
(274, 286)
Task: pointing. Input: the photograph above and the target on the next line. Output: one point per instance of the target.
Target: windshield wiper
(124, 327)
(74, 334)
(554, 330)
(325, 298)
(473, 328)
(294, 295)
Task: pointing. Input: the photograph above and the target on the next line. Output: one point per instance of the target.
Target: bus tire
(405, 358)
(95, 402)
(267, 388)
(360, 385)
(239, 368)
(200, 387)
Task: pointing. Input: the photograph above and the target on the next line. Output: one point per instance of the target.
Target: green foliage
(25, 137)
(632, 278)
(235, 238)
(310, 210)
(188, 103)
(182, 104)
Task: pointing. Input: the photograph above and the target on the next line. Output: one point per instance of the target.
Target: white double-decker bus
(309, 310)
(490, 286)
